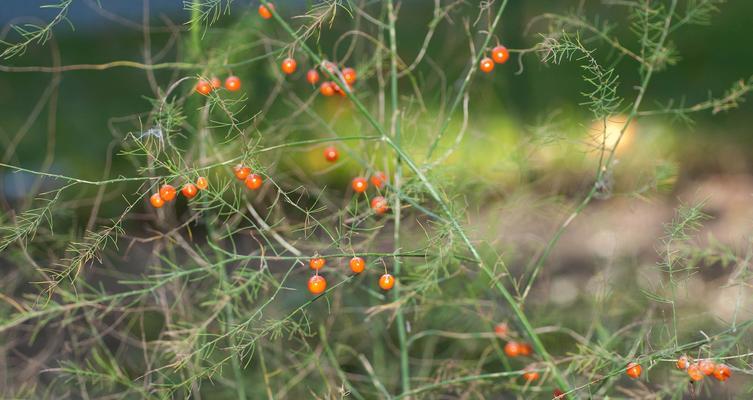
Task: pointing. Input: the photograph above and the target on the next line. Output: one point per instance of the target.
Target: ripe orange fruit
(558, 394)
(167, 192)
(288, 66)
(386, 282)
(189, 190)
(359, 185)
(512, 349)
(253, 181)
(500, 54)
(331, 154)
(202, 183)
(531, 376)
(379, 205)
(707, 367)
(683, 362)
(349, 75)
(216, 83)
(722, 372)
(487, 65)
(378, 179)
(157, 201)
(525, 349)
(312, 76)
(317, 284)
(326, 89)
(501, 329)
(204, 87)
(357, 264)
(232, 83)
(633, 370)
(694, 372)
(317, 263)
(266, 12)
(241, 172)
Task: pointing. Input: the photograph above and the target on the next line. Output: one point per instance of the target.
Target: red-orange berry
(253, 181)
(232, 83)
(349, 75)
(317, 263)
(633, 370)
(189, 190)
(682, 362)
(512, 349)
(378, 179)
(157, 201)
(501, 329)
(202, 183)
(530, 376)
(204, 87)
(487, 65)
(379, 205)
(216, 82)
(326, 89)
(694, 372)
(558, 394)
(241, 172)
(288, 66)
(317, 284)
(312, 76)
(525, 349)
(707, 367)
(357, 265)
(331, 154)
(337, 89)
(266, 12)
(167, 192)
(500, 54)
(386, 282)
(359, 185)
(722, 372)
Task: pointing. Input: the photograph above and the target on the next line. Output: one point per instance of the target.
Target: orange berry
(232, 83)
(378, 179)
(531, 376)
(379, 205)
(500, 54)
(202, 183)
(501, 329)
(216, 83)
(349, 75)
(386, 282)
(722, 372)
(317, 263)
(167, 192)
(189, 190)
(512, 349)
(633, 370)
(558, 394)
(694, 372)
(253, 181)
(525, 349)
(338, 89)
(204, 87)
(683, 362)
(487, 65)
(266, 12)
(359, 185)
(331, 154)
(326, 89)
(317, 284)
(312, 76)
(241, 172)
(157, 201)
(288, 66)
(707, 367)
(357, 264)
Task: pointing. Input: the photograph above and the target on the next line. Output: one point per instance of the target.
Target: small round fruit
(331, 154)
(722, 372)
(157, 201)
(633, 370)
(317, 284)
(357, 265)
(317, 263)
(253, 181)
(500, 54)
(378, 179)
(682, 362)
(312, 76)
(241, 172)
(531, 376)
(216, 82)
(349, 75)
(694, 372)
(189, 190)
(487, 65)
(202, 183)
(558, 394)
(288, 66)
(326, 89)
(232, 83)
(266, 12)
(386, 282)
(379, 205)
(338, 89)
(501, 329)
(512, 349)
(204, 87)
(167, 192)
(359, 185)
(525, 349)
(707, 367)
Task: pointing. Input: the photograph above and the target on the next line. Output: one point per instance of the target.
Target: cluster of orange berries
(243, 173)
(317, 284)
(696, 371)
(232, 83)
(359, 184)
(500, 55)
(167, 193)
(515, 348)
